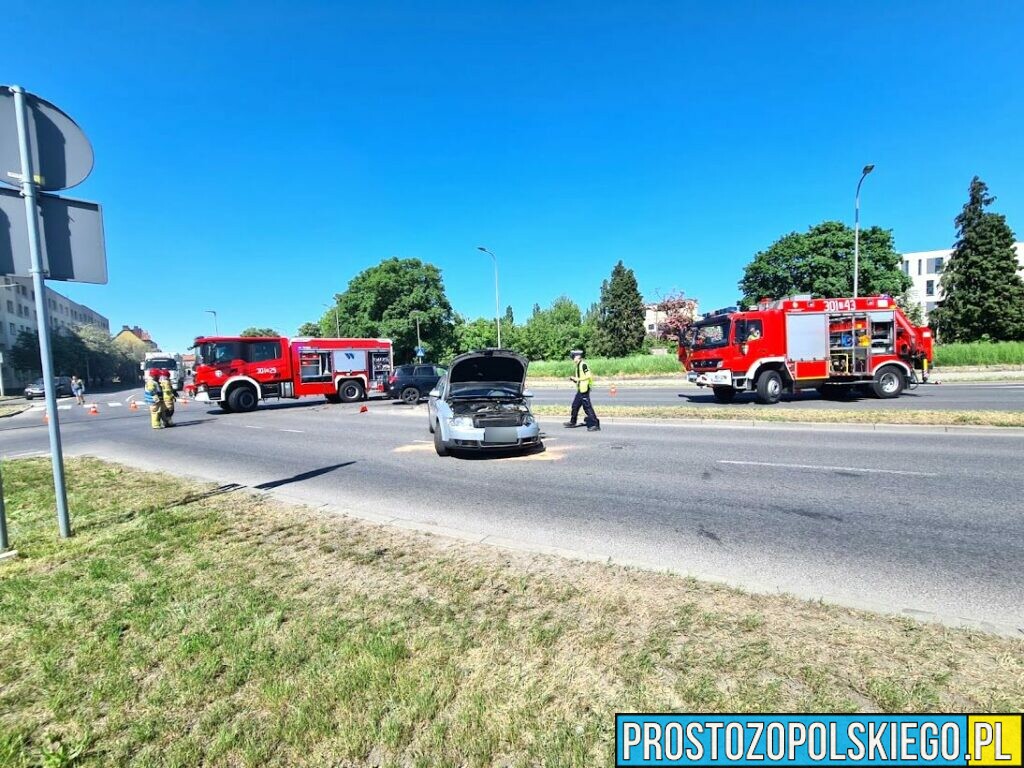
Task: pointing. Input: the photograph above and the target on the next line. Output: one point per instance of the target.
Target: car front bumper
(493, 438)
(711, 378)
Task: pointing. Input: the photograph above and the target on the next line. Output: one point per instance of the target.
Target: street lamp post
(856, 230)
(216, 328)
(497, 302)
(337, 321)
(419, 342)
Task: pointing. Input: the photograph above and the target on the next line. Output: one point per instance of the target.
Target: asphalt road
(937, 397)
(908, 521)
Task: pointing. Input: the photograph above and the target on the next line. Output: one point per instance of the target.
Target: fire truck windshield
(216, 352)
(710, 333)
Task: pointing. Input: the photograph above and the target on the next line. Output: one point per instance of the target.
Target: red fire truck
(804, 343)
(236, 372)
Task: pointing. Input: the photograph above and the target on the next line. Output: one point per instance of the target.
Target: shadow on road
(271, 484)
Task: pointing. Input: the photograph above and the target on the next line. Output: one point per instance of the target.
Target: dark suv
(412, 383)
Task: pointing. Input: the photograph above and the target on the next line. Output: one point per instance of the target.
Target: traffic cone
(364, 408)
(613, 391)
(133, 406)
(94, 410)
(46, 416)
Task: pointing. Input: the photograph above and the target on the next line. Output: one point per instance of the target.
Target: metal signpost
(52, 153)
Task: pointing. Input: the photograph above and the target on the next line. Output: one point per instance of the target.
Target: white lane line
(251, 426)
(295, 431)
(115, 405)
(63, 407)
(25, 454)
(830, 469)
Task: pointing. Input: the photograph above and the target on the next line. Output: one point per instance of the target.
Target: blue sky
(252, 157)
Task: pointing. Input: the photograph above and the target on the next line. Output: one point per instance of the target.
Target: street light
(497, 303)
(416, 314)
(216, 328)
(856, 228)
(337, 322)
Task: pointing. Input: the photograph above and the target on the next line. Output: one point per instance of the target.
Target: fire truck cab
(236, 372)
(803, 343)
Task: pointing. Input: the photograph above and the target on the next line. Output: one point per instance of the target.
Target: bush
(980, 353)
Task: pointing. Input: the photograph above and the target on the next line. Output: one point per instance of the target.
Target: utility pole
(216, 327)
(337, 321)
(497, 303)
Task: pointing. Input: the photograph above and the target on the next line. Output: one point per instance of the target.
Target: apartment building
(925, 269)
(18, 313)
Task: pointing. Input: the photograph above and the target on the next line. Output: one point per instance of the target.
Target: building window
(650, 326)
(920, 266)
(939, 262)
(10, 306)
(906, 267)
(929, 288)
(14, 332)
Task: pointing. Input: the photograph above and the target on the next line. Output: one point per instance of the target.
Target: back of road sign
(71, 238)
(61, 154)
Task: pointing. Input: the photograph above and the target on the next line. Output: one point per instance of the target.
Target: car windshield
(161, 362)
(483, 391)
(215, 352)
(711, 334)
(37, 383)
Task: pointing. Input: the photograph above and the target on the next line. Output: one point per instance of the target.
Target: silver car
(481, 404)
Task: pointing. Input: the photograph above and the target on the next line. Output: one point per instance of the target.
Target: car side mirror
(527, 393)
(435, 392)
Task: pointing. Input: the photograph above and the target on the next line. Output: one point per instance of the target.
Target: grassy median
(813, 415)
(188, 625)
(7, 409)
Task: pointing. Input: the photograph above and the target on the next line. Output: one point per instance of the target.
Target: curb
(835, 426)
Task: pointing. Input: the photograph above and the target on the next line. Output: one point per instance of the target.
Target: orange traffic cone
(46, 416)
(94, 410)
(133, 406)
(613, 391)
(364, 408)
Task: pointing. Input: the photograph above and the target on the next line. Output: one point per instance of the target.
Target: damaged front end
(491, 413)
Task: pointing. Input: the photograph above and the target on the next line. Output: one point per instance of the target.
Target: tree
(310, 329)
(551, 333)
(679, 312)
(820, 262)
(478, 334)
(509, 319)
(620, 321)
(983, 293)
(255, 331)
(379, 302)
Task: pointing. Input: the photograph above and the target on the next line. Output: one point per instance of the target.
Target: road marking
(251, 426)
(63, 407)
(295, 431)
(829, 469)
(25, 454)
(115, 405)
(414, 447)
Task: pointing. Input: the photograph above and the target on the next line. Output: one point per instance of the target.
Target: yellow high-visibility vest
(584, 378)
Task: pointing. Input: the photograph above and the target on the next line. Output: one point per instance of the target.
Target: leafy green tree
(820, 262)
(620, 321)
(509, 319)
(477, 334)
(256, 331)
(25, 353)
(103, 360)
(551, 333)
(310, 329)
(983, 293)
(379, 302)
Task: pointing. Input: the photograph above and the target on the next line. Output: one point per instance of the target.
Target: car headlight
(529, 421)
(460, 421)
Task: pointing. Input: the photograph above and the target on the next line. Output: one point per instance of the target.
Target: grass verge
(13, 410)
(185, 625)
(815, 415)
(980, 353)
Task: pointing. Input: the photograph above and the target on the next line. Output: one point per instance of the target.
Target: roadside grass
(188, 625)
(980, 353)
(636, 365)
(815, 415)
(13, 410)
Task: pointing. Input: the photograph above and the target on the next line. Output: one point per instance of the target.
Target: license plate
(691, 376)
(501, 435)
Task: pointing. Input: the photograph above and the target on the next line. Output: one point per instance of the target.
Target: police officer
(583, 380)
(154, 398)
(168, 397)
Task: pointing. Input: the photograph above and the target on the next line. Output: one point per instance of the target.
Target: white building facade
(18, 313)
(925, 269)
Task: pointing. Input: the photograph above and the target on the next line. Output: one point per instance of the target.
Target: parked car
(481, 404)
(412, 383)
(37, 389)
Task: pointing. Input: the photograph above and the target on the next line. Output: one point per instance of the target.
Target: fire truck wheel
(769, 387)
(350, 391)
(889, 382)
(224, 407)
(242, 399)
(724, 394)
(439, 447)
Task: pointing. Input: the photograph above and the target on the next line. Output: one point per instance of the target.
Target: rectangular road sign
(71, 232)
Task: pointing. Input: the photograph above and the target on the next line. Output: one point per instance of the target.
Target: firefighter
(168, 398)
(583, 380)
(154, 398)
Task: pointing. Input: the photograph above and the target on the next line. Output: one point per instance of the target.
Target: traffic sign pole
(28, 191)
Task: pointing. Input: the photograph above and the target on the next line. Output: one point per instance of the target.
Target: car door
(433, 401)
(424, 378)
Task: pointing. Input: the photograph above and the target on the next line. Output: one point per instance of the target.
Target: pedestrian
(168, 396)
(584, 381)
(154, 398)
(78, 389)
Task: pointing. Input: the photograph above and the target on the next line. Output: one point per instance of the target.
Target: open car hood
(496, 367)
